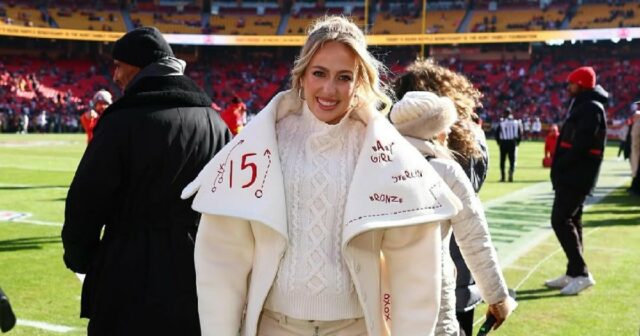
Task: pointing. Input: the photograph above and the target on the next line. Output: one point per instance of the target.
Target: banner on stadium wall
(61, 34)
(550, 37)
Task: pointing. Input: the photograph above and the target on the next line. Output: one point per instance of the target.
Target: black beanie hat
(141, 47)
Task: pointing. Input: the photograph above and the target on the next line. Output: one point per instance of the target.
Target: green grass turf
(528, 169)
(612, 251)
(35, 178)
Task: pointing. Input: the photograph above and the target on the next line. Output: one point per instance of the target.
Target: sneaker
(578, 284)
(559, 282)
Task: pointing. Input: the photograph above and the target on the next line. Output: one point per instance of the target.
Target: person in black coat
(574, 173)
(140, 275)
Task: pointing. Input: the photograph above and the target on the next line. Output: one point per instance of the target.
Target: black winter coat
(580, 147)
(148, 145)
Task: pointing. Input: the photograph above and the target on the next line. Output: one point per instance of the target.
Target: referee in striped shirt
(508, 135)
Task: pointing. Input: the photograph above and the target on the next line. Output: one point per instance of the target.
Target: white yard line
(45, 326)
(37, 222)
(607, 184)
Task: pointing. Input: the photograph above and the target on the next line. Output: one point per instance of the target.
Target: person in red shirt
(101, 100)
(234, 115)
(550, 146)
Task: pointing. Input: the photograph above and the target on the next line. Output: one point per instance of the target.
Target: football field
(35, 172)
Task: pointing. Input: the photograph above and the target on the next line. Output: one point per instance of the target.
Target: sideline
(532, 202)
(515, 219)
(45, 326)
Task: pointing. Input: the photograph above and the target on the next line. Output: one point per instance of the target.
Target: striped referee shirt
(509, 129)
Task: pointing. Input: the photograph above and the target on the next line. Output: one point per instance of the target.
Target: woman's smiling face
(329, 82)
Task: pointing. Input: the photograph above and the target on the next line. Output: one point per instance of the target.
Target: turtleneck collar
(319, 127)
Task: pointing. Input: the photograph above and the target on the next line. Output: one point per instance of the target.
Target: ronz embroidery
(382, 153)
(246, 163)
(397, 212)
(384, 198)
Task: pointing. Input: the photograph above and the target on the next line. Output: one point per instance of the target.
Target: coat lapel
(393, 185)
(244, 179)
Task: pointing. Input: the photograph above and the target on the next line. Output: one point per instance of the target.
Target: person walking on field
(574, 173)
(235, 115)
(550, 143)
(101, 100)
(508, 136)
(140, 274)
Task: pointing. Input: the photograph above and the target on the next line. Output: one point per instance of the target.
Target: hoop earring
(300, 94)
(355, 101)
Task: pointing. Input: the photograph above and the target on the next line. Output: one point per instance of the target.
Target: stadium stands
(607, 16)
(436, 21)
(514, 19)
(244, 22)
(169, 23)
(386, 17)
(22, 15)
(298, 22)
(62, 88)
(89, 19)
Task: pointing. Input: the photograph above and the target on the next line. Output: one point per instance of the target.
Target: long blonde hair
(370, 90)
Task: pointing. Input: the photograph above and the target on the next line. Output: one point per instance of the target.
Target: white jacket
(243, 231)
(472, 235)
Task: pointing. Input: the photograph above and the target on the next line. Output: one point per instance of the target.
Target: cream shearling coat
(394, 207)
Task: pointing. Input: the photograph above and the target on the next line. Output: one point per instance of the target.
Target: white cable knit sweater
(318, 160)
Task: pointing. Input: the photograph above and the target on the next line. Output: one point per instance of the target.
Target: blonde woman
(425, 120)
(300, 206)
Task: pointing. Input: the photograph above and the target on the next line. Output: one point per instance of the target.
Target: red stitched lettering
(387, 306)
(407, 175)
(231, 174)
(384, 198)
(259, 192)
(220, 177)
(381, 152)
(254, 169)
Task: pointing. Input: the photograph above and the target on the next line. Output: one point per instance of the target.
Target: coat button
(356, 267)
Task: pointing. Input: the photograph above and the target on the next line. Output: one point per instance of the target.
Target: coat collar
(165, 91)
(392, 185)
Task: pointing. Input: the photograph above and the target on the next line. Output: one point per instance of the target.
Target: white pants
(276, 324)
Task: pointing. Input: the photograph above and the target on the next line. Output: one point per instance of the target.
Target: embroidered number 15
(243, 166)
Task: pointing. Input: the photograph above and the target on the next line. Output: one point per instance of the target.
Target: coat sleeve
(472, 235)
(223, 259)
(413, 257)
(92, 194)
(584, 133)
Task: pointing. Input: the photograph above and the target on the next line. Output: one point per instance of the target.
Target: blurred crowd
(53, 94)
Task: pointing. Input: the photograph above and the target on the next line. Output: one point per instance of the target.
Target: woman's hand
(502, 310)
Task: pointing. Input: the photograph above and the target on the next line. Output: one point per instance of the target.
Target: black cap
(141, 47)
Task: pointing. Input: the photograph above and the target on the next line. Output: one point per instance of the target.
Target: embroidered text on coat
(382, 153)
